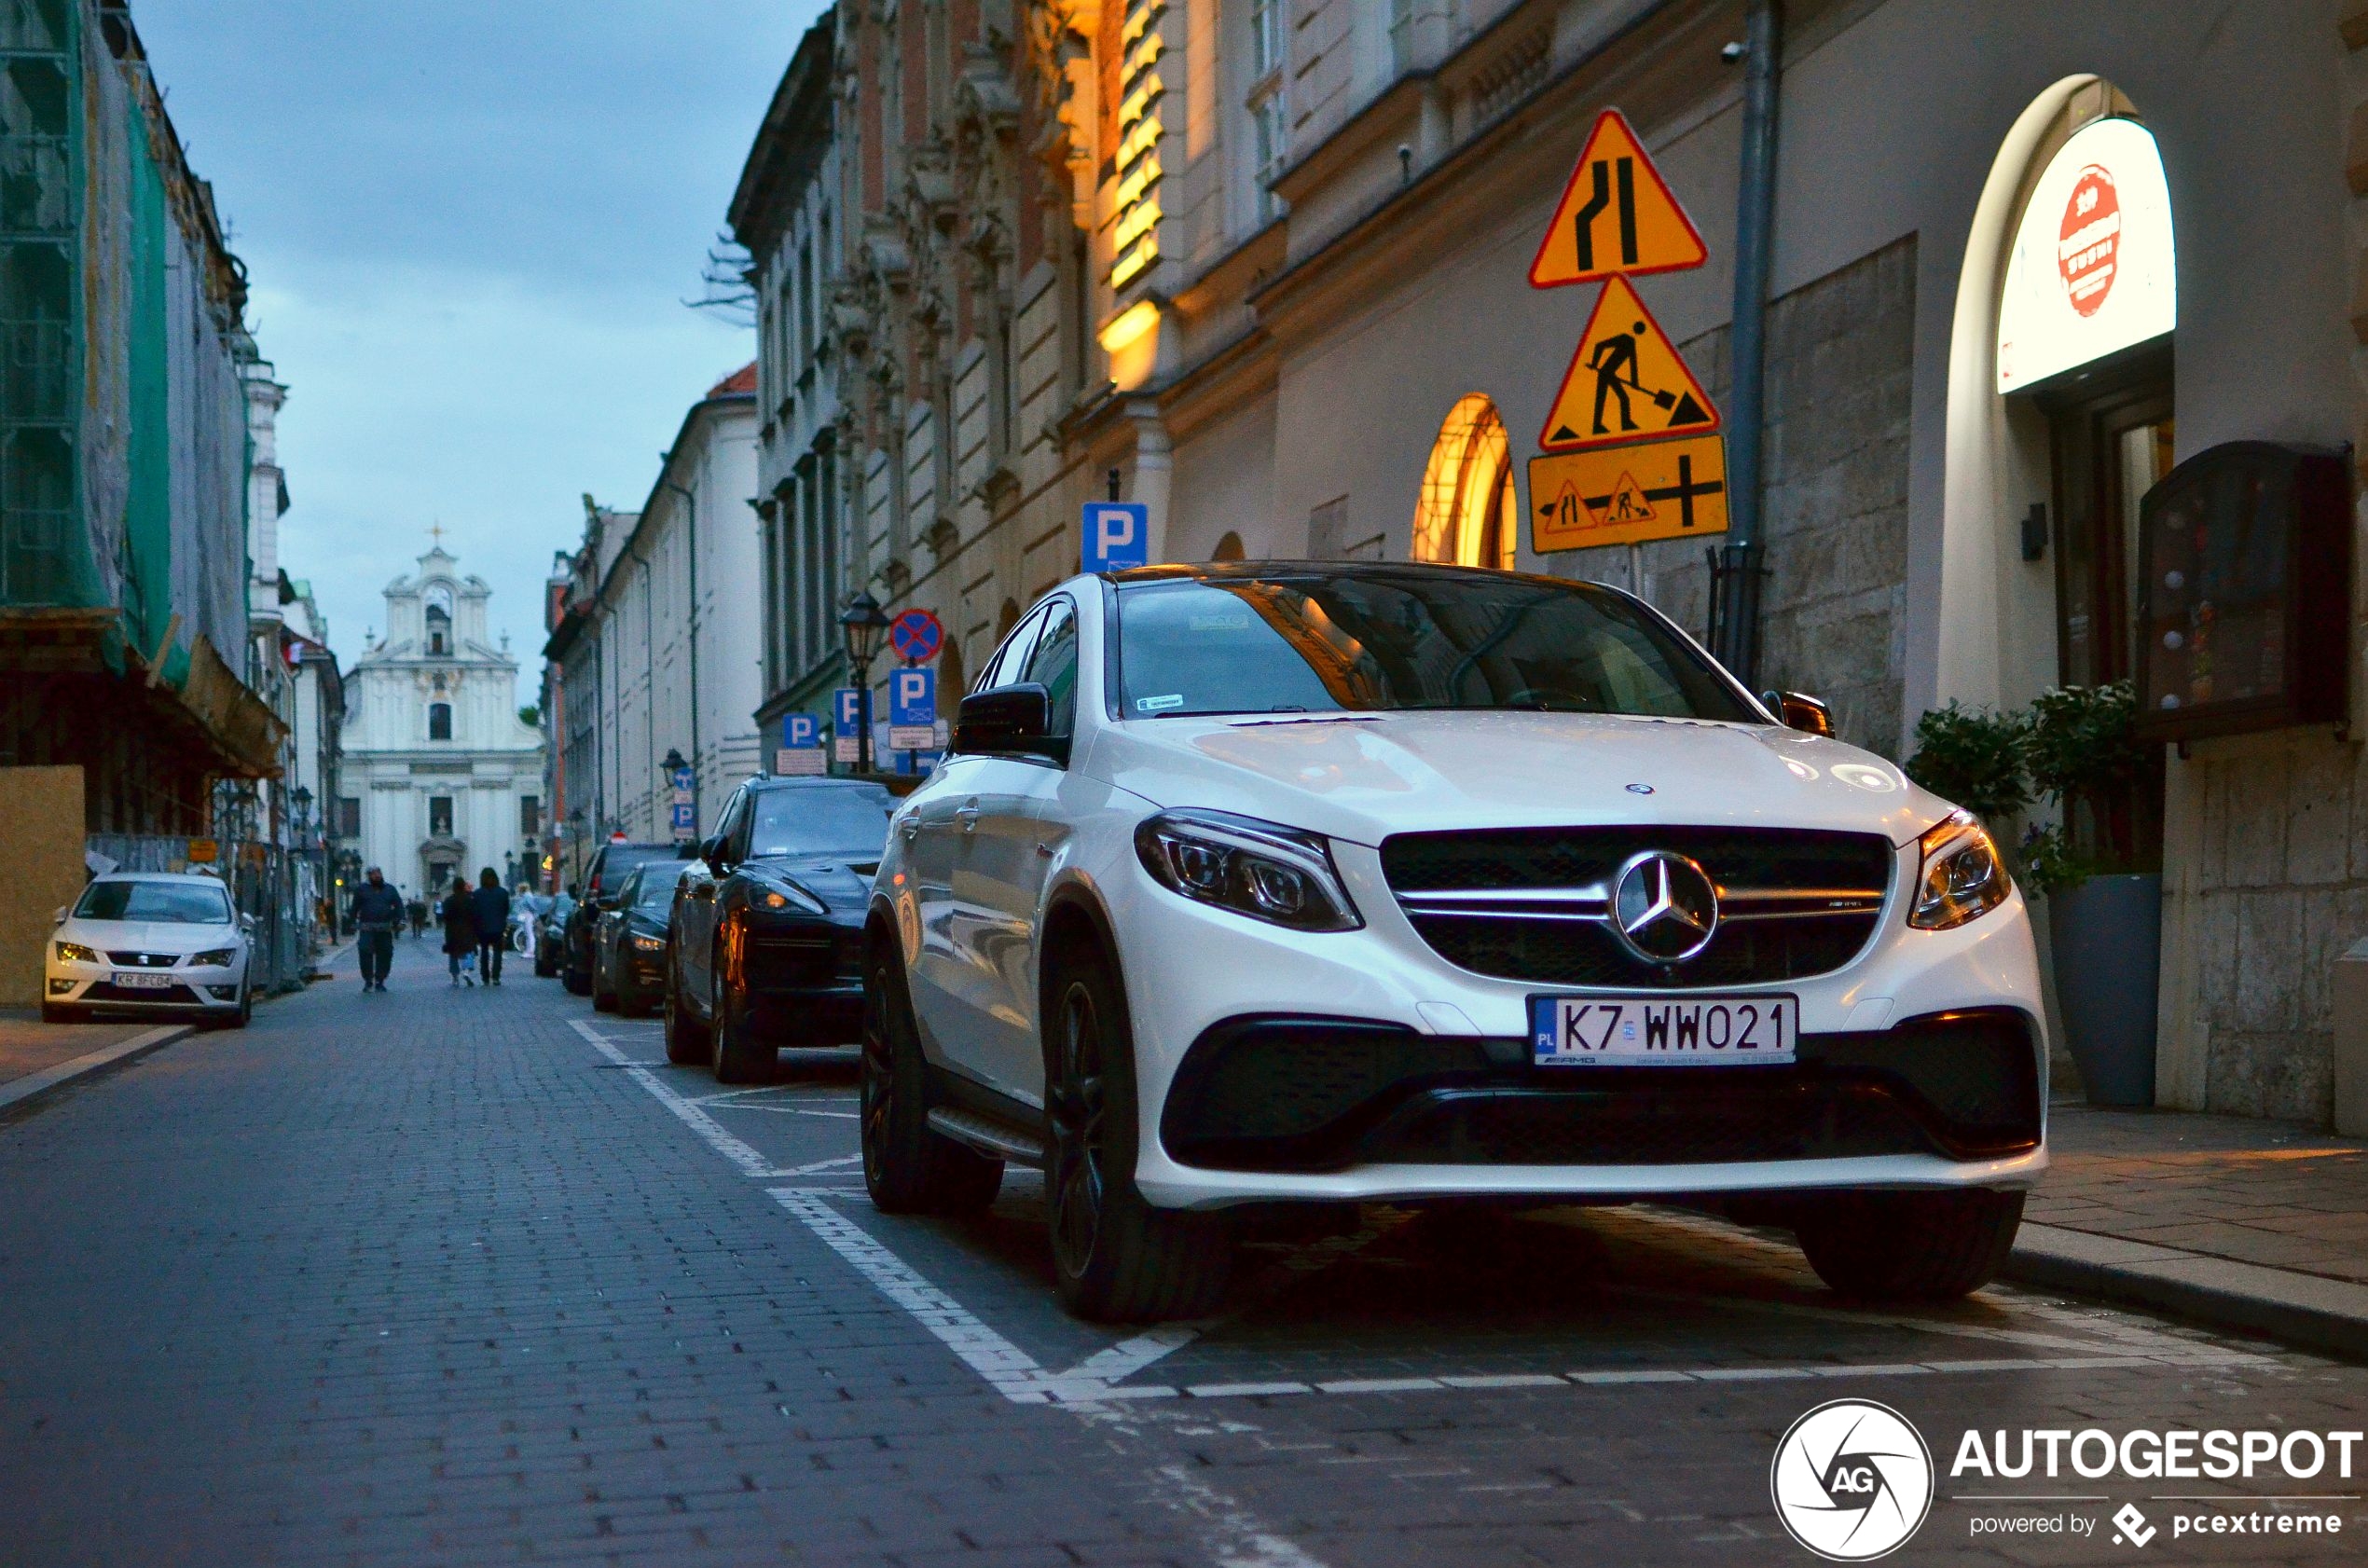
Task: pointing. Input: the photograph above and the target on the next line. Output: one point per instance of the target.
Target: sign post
(1117, 535)
(685, 813)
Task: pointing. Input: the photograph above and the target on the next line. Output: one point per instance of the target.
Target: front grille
(1323, 1094)
(801, 961)
(107, 991)
(1532, 903)
(144, 960)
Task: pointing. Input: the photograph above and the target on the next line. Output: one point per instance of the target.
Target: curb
(2308, 1312)
(34, 1087)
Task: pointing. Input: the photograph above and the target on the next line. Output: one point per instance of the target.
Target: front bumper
(195, 990)
(1861, 1109)
(802, 984)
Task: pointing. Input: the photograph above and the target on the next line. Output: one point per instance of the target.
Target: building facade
(1265, 264)
(126, 469)
(655, 648)
(440, 776)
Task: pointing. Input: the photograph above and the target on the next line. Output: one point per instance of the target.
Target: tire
(909, 1167)
(735, 1058)
(61, 1012)
(603, 998)
(1908, 1246)
(246, 1014)
(686, 1041)
(578, 983)
(1116, 1258)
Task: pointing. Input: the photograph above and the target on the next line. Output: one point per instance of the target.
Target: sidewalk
(38, 1058)
(2260, 1226)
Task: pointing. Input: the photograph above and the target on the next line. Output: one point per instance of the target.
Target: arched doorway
(1228, 548)
(1468, 514)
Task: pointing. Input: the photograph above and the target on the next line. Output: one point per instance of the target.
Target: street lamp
(861, 622)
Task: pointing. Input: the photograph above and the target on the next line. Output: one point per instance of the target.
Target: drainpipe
(691, 548)
(1735, 584)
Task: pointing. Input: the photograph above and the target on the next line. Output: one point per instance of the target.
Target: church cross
(437, 533)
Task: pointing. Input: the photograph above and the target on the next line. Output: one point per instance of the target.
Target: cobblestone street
(471, 1276)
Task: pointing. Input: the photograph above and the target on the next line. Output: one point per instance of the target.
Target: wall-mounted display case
(2244, 592)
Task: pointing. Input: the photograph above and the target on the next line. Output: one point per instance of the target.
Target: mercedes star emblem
(1664, 907)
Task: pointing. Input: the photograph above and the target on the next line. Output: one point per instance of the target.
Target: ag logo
(1852, 1480)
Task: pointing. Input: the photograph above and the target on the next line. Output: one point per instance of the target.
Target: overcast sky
(469, 227)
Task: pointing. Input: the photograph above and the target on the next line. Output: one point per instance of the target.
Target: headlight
(788, 895)
(213, 958)
(1961, 876)
(1252, 868)
(649, 944)
(74, 953)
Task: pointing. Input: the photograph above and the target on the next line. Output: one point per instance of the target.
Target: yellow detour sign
(1616, 215)
(1625, 382)
(1625, 495)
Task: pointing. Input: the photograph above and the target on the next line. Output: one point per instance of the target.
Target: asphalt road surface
(473, 1276)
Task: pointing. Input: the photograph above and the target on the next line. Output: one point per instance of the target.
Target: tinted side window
(1052, 664)
(1004, 669)
(734, 817)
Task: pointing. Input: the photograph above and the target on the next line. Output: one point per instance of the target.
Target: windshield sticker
(1158, 705)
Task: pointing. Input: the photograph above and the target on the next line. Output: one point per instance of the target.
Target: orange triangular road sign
(1617, 214)
(1625, 382)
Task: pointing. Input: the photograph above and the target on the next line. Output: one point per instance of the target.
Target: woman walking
(459, 919)
(491, 901)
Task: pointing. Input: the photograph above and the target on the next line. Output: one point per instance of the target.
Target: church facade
(441, 776)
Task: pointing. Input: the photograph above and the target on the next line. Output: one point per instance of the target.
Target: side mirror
(717, 852)
(246, 923)
(59, 918)
(1798, 710)
(1006, 719)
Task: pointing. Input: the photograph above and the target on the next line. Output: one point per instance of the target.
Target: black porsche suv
(767, 947)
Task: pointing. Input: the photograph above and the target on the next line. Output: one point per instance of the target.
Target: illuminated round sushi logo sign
(2092, 270)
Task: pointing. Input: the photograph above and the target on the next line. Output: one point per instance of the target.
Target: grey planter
(2106, 936)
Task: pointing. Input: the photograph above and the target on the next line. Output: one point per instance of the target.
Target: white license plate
(1663, 1031)
(144, 982)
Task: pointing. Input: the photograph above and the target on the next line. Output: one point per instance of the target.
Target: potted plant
(2100, 869)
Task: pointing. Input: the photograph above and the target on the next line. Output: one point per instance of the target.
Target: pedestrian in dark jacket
(491, 901)
(460, 920)
(377, 910)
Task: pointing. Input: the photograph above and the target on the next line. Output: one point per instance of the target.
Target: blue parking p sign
(1117, 535)
(800, 731)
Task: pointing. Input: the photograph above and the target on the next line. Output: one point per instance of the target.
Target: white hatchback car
(1269, 883)
(151, 941)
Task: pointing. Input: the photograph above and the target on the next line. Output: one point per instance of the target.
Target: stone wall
(1840, 352)
(2266, 884)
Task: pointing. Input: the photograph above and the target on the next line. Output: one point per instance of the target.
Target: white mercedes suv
(1325, 883)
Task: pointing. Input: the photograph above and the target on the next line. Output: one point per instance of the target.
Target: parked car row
(1286, 884)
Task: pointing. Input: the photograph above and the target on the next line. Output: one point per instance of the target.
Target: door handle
(967, 816)
(911, 827)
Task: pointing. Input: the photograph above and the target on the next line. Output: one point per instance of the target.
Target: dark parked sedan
(610, 864)
(767, 932)
(628, 953)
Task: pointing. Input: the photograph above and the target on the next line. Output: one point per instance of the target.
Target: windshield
(1384, 638)
(656, 895)
(848, 822)
(176, 903)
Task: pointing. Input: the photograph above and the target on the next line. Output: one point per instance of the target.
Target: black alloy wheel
(735, 1058)
(1116, 1258)
(908, 1166)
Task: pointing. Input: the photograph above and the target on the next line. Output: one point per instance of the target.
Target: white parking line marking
(711, 1132)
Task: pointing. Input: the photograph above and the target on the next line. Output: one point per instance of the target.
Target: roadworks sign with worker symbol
(1626, 495)
(1625, 382)
(1617, 214)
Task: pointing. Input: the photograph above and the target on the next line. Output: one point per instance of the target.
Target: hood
(1364, 777)
(841, 884)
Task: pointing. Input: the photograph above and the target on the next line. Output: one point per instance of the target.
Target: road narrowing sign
(1616, 215)
(1625, 382)
(1627, 495)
